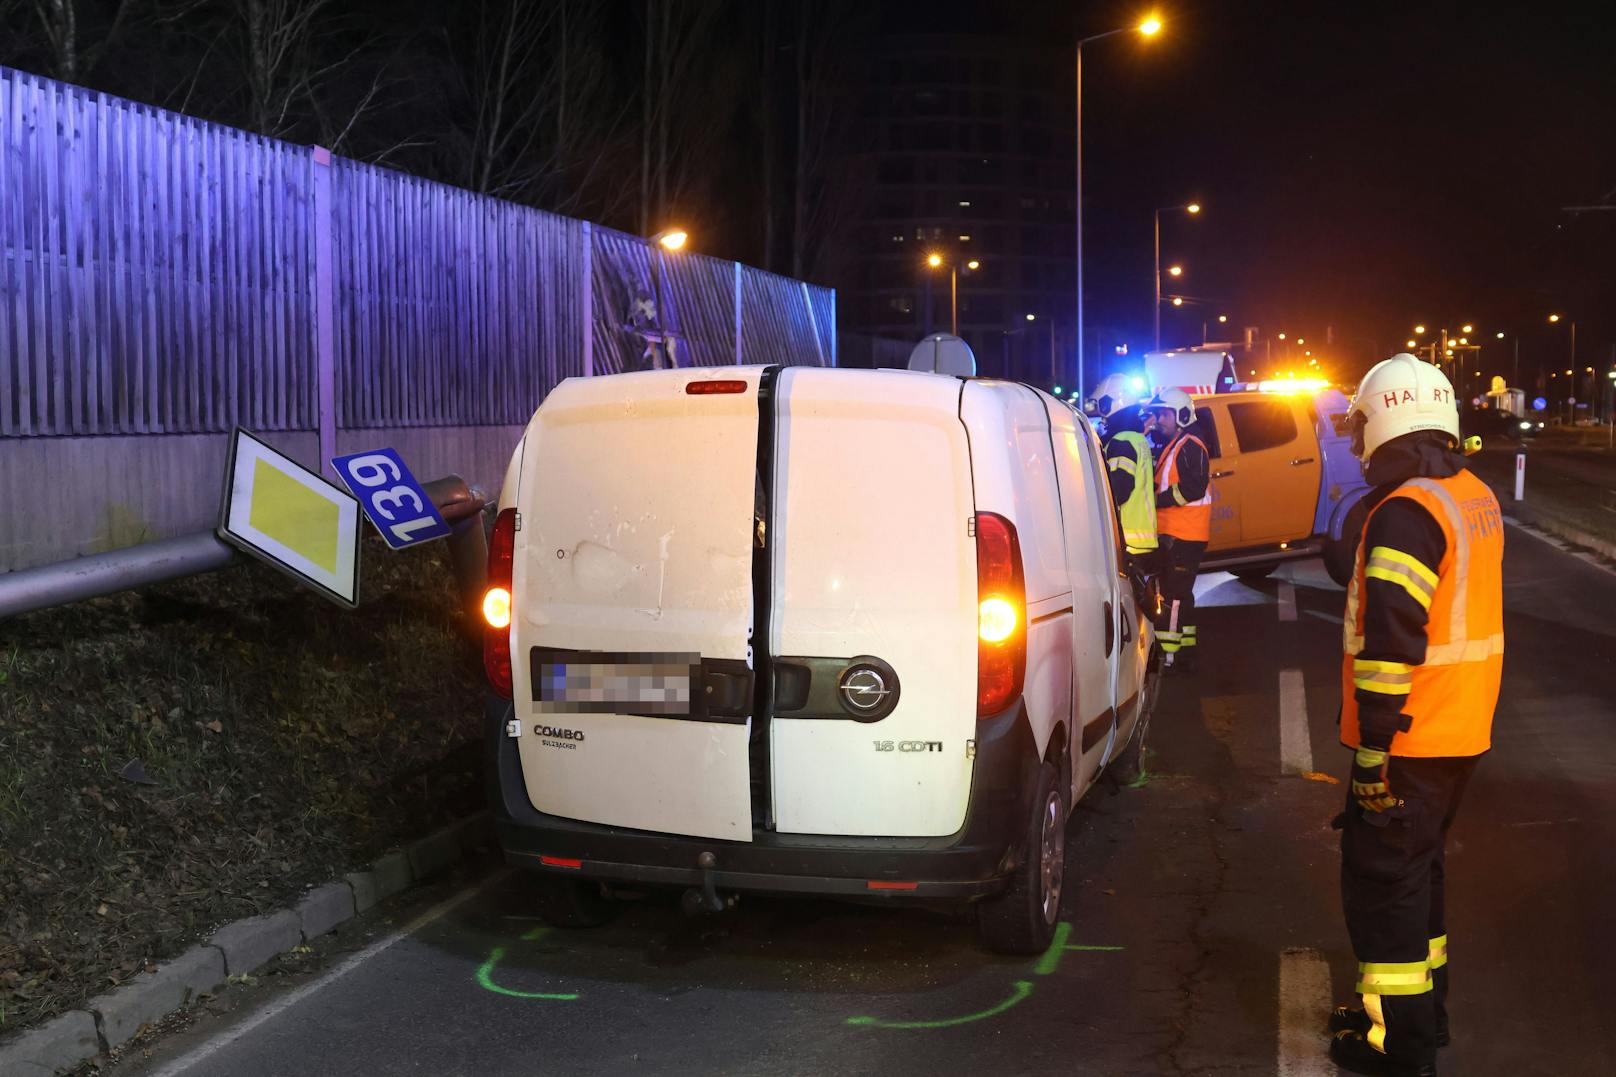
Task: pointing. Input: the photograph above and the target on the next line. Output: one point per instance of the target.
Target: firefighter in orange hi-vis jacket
(1424, 643)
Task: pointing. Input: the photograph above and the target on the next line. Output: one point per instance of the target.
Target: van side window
(1206, 428)
(1262, 425)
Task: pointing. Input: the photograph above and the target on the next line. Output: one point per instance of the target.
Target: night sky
(1363, 165)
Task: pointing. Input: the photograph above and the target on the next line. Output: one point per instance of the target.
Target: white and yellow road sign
(282, 513)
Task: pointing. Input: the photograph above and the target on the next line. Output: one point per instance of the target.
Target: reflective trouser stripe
(1170, 641)
(1189, 636)
(1393, 978)
(1377, 1022)
(1439, 952)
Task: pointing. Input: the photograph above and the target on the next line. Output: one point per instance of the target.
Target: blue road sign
(390, 496)
(1539, 404)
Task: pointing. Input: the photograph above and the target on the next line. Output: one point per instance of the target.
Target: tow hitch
(705, 899)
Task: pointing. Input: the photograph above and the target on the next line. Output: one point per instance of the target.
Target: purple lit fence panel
(778, 321)
(622, 299)
(144, 256)
(698, 297)
(162, 275)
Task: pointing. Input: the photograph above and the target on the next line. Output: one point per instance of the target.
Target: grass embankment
(204, 750)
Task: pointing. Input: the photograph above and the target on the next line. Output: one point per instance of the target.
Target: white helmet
(1176, 401)
(1114, 393)
(1399, 396)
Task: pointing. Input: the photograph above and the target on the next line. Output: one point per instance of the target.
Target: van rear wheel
(571, 902)
(1022, 919)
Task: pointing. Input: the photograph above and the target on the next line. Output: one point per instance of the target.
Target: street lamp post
(1150, 27)
(935, 261)
(1192, 208)
(669, 239)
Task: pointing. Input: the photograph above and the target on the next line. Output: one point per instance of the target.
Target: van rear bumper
(971, 863)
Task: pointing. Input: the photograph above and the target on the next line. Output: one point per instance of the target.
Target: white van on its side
(811, 631)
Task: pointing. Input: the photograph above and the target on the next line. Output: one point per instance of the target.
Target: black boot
(1353, 1019)
(1352, 1052)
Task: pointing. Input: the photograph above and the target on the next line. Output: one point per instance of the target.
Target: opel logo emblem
(867, 689)
(864, 689)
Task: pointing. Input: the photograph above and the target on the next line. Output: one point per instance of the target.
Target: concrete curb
(1543, 521)
(236, 948)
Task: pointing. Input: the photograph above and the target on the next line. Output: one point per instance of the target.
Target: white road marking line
(1295, 742)
(1287, 600)
(207, 1050)
(1304, 1003)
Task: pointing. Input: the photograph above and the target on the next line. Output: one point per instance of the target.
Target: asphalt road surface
(1204, 930)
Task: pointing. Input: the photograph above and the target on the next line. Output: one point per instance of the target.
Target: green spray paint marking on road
(1050, 960)
(485, 975)
(1047, 964)
(1022, 990)
(1052, 956)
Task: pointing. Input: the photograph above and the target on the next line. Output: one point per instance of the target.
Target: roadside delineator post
(1520, 476)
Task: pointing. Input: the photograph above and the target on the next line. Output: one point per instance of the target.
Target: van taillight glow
(1001, 629)
(709, 388)
(497, 604)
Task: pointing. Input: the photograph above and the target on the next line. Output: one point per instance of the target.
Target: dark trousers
(1174, 564)
(1392, 883)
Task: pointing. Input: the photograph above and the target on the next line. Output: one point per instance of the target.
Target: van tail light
(497, 611)
(1001, 615)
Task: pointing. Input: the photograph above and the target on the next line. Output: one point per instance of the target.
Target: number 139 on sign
(390, 496)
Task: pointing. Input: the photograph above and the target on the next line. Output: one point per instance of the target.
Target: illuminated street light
(1300, 340)
(1464, 340)
(1193, 207)
(934, 260)
(973, 264)
(1553, 318)
(1568, 373)
(1467, 328)
(1175, 271)
(672, 239)
(1411, 344)
(1178, 301)
(1418, 329)
(1500, 334)
(1282, 336)
(1147, 28)
(1223, 319)
(1032, 317)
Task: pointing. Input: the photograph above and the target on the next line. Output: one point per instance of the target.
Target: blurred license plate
(575, 682)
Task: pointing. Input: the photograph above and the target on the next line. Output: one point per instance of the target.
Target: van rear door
(633, 601)
(873, 598)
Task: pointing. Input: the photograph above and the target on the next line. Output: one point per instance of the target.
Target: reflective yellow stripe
(1376, 665)
(1388, 556)
(1439, 952)
(1386, 684)
(1393, 978)
(1396, 574)
(1458, 614)
(1119, 463)
(1470, 650)
(1370, 757)
(1178, 496)
(1420, 987)
(1366, 969)
(1377, 1019)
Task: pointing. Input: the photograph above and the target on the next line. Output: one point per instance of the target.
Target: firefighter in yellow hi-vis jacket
(1424, 656)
